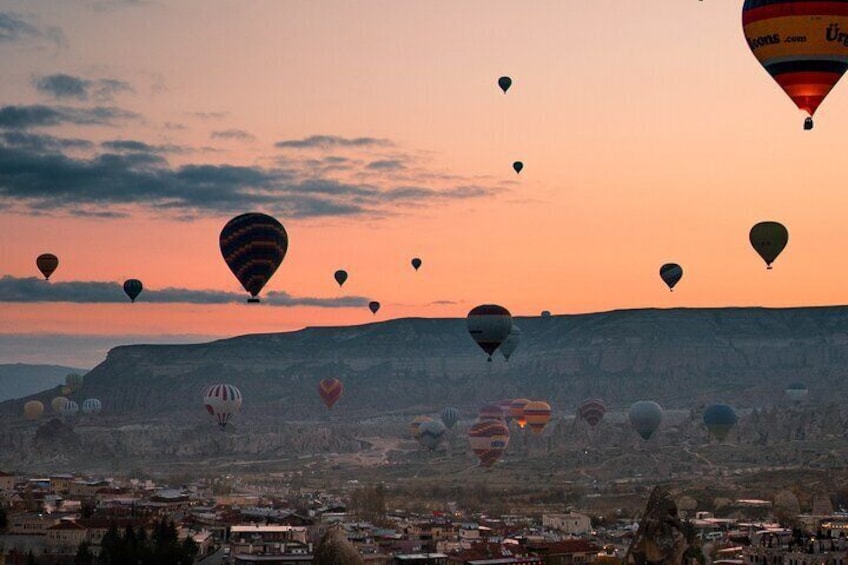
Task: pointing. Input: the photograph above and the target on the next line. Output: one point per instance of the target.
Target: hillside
(18, 380)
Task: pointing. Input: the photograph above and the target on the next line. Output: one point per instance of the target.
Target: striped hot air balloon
(516, 410)
(91, 406)
(537, 413)
(222, 402)
(592, 411)
(69, 409)
(489, 440)
(490, 412)
(253, 246)
(450, 416)
(802, 44)
(330, 391)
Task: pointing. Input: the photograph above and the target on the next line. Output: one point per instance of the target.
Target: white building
(569, 523)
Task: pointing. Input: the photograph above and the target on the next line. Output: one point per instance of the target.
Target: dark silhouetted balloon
(253, 245)
(645, 417)
(330, 391)
(132, 288)
(504, 83)
(489, 440)
(806, 70)
(489, 325)
(340, 276)
(373, 306)
(517, 166)
(511, 343)
(719, 418)
(768, 239)
(592, 411)
(546, 313)
(671, 273)
(47, 263)
(416, 263)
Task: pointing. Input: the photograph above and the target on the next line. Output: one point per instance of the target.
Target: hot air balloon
(537, 413)
(768, 239)
(69, 409)
(645, 417)
(490, 412)
(796, 392)
(91, 406)
(719, 418)
(592, 411)
(431, 433)
(416, 263)
(414, 427)
(504, 83)
(517, 166)
(800, 44)
(489, 325)
(516, 410)
(450, 416)
(63, 390)
(253, 245)
(671, 273)
(57, 403)
(222, 401)
(74, 381)
(505, 405)
(133, 287)
(47, 263)
(374, 306)
(546, 313)
(330, 391)
(510, 344)
(489, 439)
(340, 276)
(33, 410)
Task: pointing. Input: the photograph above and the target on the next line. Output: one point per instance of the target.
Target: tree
(335, 549)
(84, 555)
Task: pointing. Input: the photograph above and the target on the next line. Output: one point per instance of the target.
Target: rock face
(682, 358)
(662, 536)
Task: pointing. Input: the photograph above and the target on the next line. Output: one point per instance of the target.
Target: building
(570, 523)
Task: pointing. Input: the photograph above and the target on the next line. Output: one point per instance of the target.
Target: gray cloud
(39, 143)
(209, 115)
(386, 165)
(331, 142)
(238, 134)
(16, 28)
(38, 115)
(63, 86)
(133, 146)
(32, 289)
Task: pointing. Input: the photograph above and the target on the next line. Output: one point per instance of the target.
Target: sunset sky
(374, 130)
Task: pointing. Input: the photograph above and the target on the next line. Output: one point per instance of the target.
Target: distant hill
(19, 380)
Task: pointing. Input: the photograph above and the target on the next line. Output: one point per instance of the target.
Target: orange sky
(648, 131)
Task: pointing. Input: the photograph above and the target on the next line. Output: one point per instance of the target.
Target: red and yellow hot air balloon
(414, 427)
(330, 391)
(516, 410)
(489, 439)
(592, 411)
(537, 413)
(802, 44)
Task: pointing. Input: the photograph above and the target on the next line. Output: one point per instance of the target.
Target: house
(570, 523)
(64, 538)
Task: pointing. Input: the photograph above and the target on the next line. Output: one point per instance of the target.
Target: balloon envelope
(132, 288)
(69, 408)
(797, 392)
(340, 276)
(537, 414)
(645, 417)
(33, 409)
(450, 416)
(222, 402)
(671, 273)
(489, 440)
(414, 427)
(91, 406)
(253, 246)
(719, 419)
(416, 263)
(490, 412)
(516, 410)
(592, 411)
(504, 83)
(330, 391)
(57, 403)
(800, 44)
(517, 166)
(431, 433)
(511, 342)
(47, 263)
(374, 306)
(74, 381)
(489, 325)
(768, 239)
